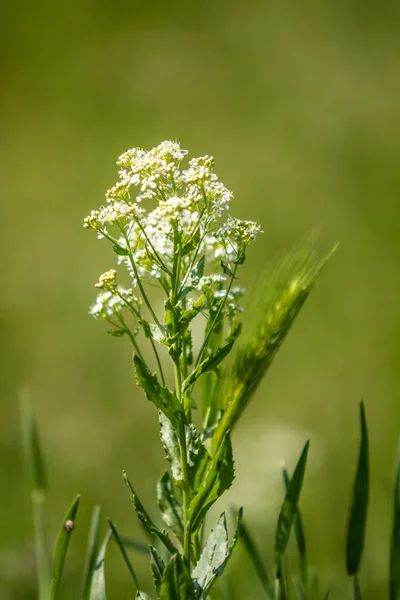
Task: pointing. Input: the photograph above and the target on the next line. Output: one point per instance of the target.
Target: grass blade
(359, 507)
(289, 509)
(394, 576)
(255, 558)
(326, 597)
(124, 554)
(91, 551)
(300, 539)
(356, 588)
(35, 463)
(61, 548)
(98, 589)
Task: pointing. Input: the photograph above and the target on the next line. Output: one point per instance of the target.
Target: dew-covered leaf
(170, 507)
(213, 558)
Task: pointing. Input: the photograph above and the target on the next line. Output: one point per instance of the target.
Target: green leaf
(162, 397)
(35, 464)
(213, 558)
(356, 588)
(218, 477)
(288, 510)
(255, 557)
(207, 365)
(157, 567)
(120, 251)
(176, 583)
(145, 519)
(117, 332)
(170, 441)
(358, 512)
(170, 508)
(326, 597)
(300, 539)
(142, 596)
(91, 551)
(61, 548)
(124, 554)
(98, 589)
(134, 545)
(226, 269)
(394, 576)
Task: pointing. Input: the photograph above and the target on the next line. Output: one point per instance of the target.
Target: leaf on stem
(91, 551)
(157, 567)
(359, 506)
(61, 548)
(162, 397)
(145, 519)
(170, 508)
(288, 510)
(176, 582)
(207, 365)
(218, 477)
(98, 589)
(213, 558)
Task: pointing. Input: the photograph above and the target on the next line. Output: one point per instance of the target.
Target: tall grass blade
(255, 558)
(356, 588)
(61, 548)
(91, 551)
(98, 589)
(124, 554)
(35, 464)
(394, 575)
(300, 539)
(359, 507)
(289, 509)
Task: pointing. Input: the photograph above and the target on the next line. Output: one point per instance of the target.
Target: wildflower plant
(170, 226)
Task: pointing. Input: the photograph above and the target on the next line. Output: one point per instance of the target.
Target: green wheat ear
(284, 296)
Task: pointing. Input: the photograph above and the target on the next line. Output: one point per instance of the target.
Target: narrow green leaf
(124, 554)
(98, 589)
(300, 539)
(134, 545)
(145, 519)
(170, 508)
(176, 583)
(218, 477)
(326, 597)
(41, 542)
(394, 576)
(61, 548)
(289, 509)
(91, 551)
(213, 558)
(162, 397)
(157, 567)
(359, 506)
(31, 442)
(356, 588)
(120, 251)
(207, 365)
(255, 557)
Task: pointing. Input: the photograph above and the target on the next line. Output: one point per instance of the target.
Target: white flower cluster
(157, 209)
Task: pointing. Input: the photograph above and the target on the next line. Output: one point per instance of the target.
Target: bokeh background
(299, 103)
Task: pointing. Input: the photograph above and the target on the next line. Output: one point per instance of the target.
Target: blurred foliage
(299, 103)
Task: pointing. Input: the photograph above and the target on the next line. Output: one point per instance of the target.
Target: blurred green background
(299, 104)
